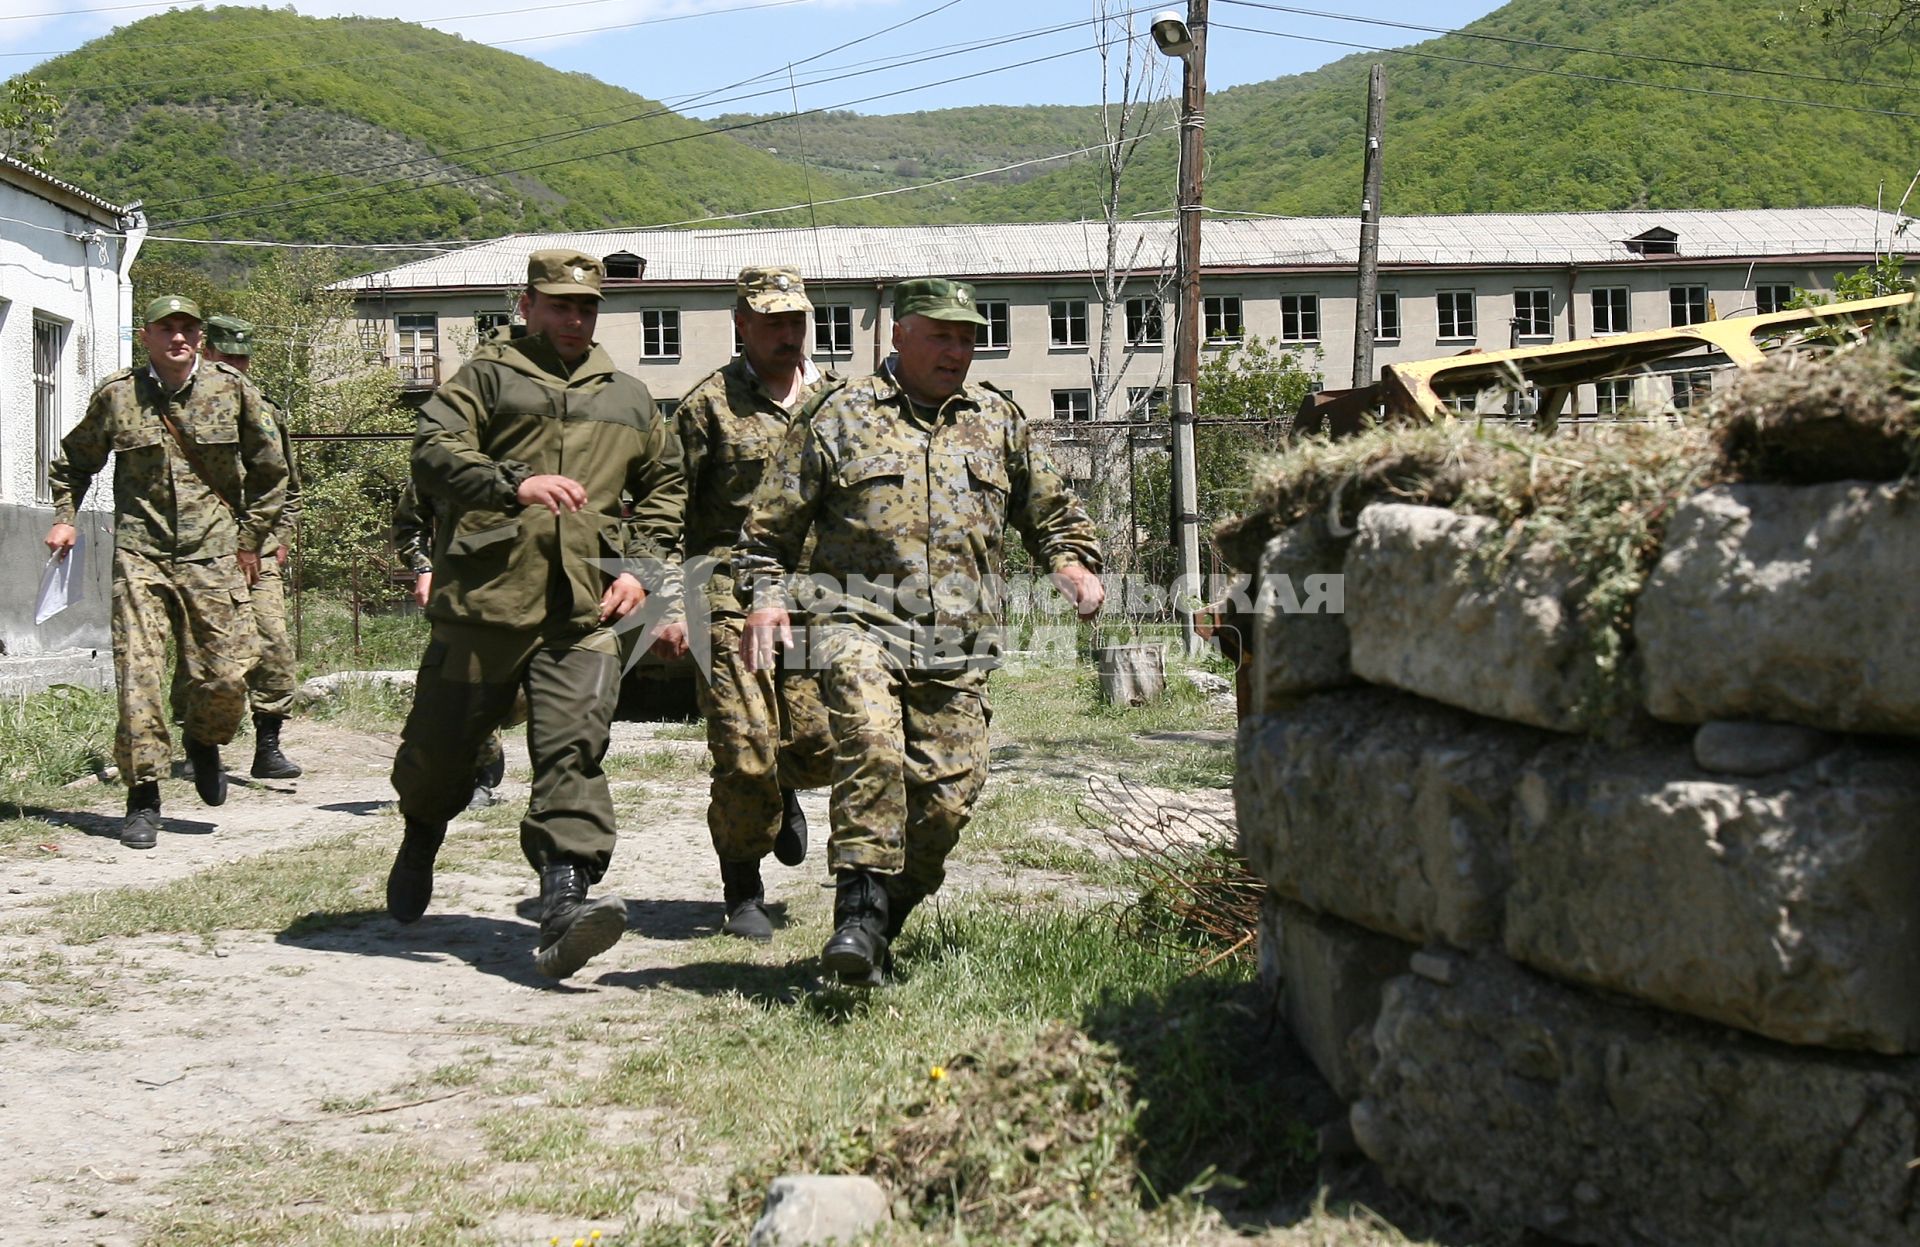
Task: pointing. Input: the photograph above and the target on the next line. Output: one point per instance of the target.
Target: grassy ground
(1033, 1075)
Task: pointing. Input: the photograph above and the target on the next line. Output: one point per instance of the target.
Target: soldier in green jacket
(907, 480)
(271, 682)
(766, 731)
(528, 450)
(198, 483)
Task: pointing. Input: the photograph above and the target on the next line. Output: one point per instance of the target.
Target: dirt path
(114, 1081)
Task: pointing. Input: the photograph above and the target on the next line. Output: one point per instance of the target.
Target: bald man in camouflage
(198, 483)
(907, 480)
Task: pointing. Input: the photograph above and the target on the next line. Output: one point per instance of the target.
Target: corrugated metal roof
(42, 176)
(847, 253)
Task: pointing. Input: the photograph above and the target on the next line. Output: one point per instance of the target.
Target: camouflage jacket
(729, 426)
(282, 534)
(908, 516)
(515, 411)
(162, 505)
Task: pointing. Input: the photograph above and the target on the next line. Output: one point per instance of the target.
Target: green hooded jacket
(515, 411)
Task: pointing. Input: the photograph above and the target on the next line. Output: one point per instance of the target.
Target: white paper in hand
(60, 581)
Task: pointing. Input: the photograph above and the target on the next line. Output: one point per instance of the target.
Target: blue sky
(694, 54)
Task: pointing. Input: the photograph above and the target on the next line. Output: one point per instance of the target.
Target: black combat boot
(790, 846)
(268, 761)
(410, 882)
(142, 825)
(746, 902)
(573, 929)
(857, 950)
(209, 779)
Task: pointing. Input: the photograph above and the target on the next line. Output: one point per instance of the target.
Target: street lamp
(1188, 41)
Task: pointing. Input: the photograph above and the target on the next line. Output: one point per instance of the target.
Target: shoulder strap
(186, 448)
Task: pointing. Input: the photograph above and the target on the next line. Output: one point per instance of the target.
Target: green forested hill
(290, 121)
(1506, 135)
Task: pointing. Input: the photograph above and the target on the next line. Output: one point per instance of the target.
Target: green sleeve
(447, 459)
(1051, 520)
(774, 534)
(83, 452)
(263, 489)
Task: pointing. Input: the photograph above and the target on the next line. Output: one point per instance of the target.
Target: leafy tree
(1882, 21)
(26, 118)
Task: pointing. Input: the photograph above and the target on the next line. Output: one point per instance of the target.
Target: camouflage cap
(565, 272)
(171, 305)
(773, 288)
(230, 335)
(936, 298)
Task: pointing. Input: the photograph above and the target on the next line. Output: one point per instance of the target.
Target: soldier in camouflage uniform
(766, 730)
(198, 483)
(270, 683)
(529, 449)
(412, 544)
(907, 480)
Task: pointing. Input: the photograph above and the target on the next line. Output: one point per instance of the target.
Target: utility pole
(1188, 41)
(1366, 303)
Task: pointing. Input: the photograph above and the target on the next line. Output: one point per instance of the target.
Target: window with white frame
(1461, 404)
(1533, 313)
(1144, 324)
(48, 338)
(1691, 388)
(1613, 396)
(1072, 405)
(833, 329)
(1299, 318)
(1454, 311)
(1067, 322)
(1147, 402)
(1220, 313)
(1686, 305)
(1611, 312)
(484, 323)
(997, 333)
(417, 356)
(1386, 316)
(659, 333)
(1773, 296)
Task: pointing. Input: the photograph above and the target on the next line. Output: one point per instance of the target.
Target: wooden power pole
(1365, 310)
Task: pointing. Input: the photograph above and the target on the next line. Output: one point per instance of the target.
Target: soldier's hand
(1082, 588)
(60, 539)
(768, 629)
(621, 597)
(555, 493)
(281, 555)
(422, 588)
(670, 642)
(249, 564)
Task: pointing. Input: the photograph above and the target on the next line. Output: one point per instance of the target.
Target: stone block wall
(1662, 989)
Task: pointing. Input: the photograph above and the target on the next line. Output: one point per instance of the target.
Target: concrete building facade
(1447, 284)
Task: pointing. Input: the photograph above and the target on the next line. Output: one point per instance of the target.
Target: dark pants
(466, 687)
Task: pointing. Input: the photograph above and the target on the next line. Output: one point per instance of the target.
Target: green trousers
(468, 680)
(200, 605)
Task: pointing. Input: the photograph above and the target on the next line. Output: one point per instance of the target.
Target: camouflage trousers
(469, 679)
(270, 683)
(909, 758)
(765, 732)
(203, 605)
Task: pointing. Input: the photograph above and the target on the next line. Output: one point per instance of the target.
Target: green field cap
(773, 288)
(230, 335)
(171, 305)
(565, 272)
(936, 298)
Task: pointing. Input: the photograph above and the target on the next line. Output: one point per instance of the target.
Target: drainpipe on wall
(879, 311)
(135, 224)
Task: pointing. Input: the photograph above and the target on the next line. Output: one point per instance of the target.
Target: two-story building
(1447, 284)
(66, 310)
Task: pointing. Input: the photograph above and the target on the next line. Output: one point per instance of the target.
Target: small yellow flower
(595, 1236)
(579, 1242)
(938, 1073)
